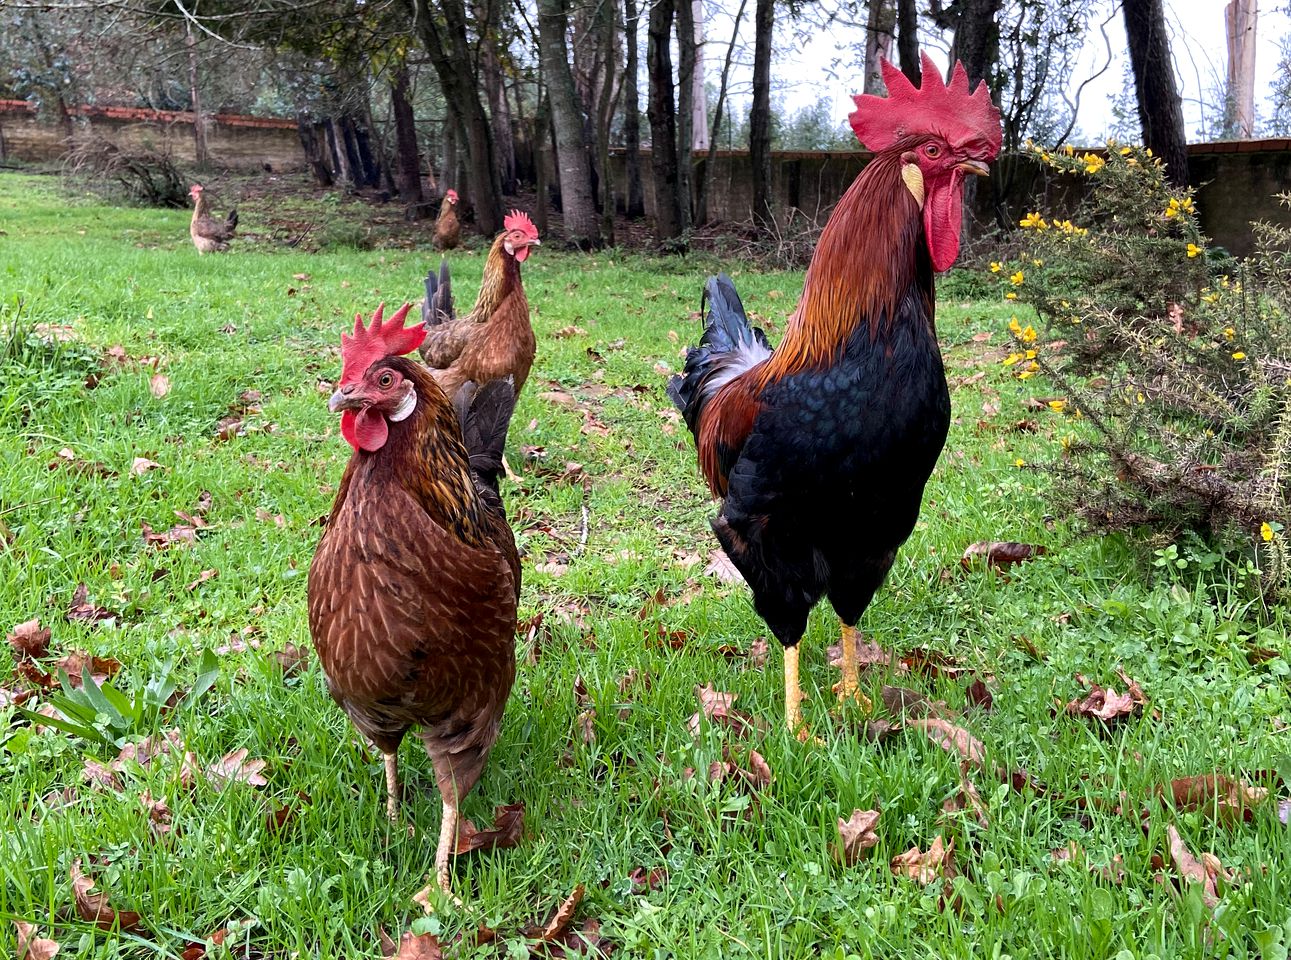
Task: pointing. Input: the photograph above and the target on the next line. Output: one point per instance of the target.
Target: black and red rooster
(820, 449)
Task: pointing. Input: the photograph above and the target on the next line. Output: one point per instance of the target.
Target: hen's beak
(974, 167)
(535, 243)
(344, 399)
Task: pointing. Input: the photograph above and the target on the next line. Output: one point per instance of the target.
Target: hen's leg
(793, 695)
(849, 687)
(447, 840)
(392, 786)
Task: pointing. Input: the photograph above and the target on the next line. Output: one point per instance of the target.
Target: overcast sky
(1197, 41)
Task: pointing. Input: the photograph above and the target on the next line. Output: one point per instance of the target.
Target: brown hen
(495, 340)
(413, 588)
(210, 234)
(448, 229)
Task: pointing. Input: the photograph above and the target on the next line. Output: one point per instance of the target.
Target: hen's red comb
(370, 344)
(451, 195)
(517, 220)
(962, 119)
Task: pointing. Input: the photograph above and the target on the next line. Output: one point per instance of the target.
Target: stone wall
(1235, 184)
(234, 141)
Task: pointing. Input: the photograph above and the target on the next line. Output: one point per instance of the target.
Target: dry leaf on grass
(94, 908)
(81, 608)
(867, 655)
(720, 566)
(508, 828)
(926, 866)
(967, 798)
(30, 947)
(716, 706)
(999, 554)
(644, 880)
(1204, 871)
(159, 385)
(281, 817)
(856, 836)
(181, 534)
(1227, 798)
(951, 738)
(978, 694)
(905, 702)
(142, 465)
(234, 767)
(100, 776)
(29, 640)
(931, 663)
(292, 659)
(201, 579)
(1105, 703)
(559, 937)
(411, 946)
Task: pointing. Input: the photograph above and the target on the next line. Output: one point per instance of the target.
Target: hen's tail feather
(438, 305)
(231, 221)
(485, 413)
(728, 347)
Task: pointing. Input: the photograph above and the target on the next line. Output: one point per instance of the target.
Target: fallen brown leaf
(967, 798)
(951, 738)
(234, 767)
(715, 705)
(646, 880)
(292, 659)
(856, 836)
(82, 609)
(759, 651)
(281, 817)
(142, 465)
(1216, 793)
(100, 776)
(1191, 869)
(867, 655)
(181, 534)
(159, 385)
(76, 663)
(560, 920)
(720, 566)
(931, 663)
(999, 554)
(31, 947)
(905, 702)
(411, 946)
(1106, 704)
(978, 694)
(29, 640)
(201, 579)
(507, 830)
(94, 907)
(926, 866)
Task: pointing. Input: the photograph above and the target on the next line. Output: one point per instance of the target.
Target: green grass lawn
(615, 560)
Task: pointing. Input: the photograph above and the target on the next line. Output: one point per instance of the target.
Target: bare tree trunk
(541, 125)
(582, 229)
(663, 127)
(908, 40)
(448, 172)
(686, 57)
(1240, 17)
(880, 33)
(1160, 110)
(607, 19)
(699, 102)
(450, 55)
(635, 202)
(706, 176)
(407, 161)
(486, 15)
(201, 155)
(315, 154)
(760, 114)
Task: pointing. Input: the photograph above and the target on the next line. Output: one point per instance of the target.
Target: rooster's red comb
(369, 344)
(451, 195)
(517, 220)
(962, 119)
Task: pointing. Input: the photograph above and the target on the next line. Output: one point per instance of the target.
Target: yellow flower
(1033, 366)
(1011, 359)
(1239, 355)
(1014, 326)
(1017, 279)
(1033, 219)
(1019, 462)
(1028, 334)
(1266, 532)
(1069, 150)
(1038, 263)
(1030, 355)
(1026, 373)
(1229, 333)
(1093, 162)
(1126, 151)
(1058, 405)
(996, 266)
(1148, 151)
(1193, 250)
(1010, 295)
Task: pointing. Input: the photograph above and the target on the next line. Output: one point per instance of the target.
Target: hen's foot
(849, 688)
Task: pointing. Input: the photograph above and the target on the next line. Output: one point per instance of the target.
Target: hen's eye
(386, 380)
(932, 150)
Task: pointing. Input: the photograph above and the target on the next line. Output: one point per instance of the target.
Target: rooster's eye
(931, 150)
(386, 380)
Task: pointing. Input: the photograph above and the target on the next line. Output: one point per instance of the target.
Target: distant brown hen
(413, 588)
(210, 235)
(448, 229)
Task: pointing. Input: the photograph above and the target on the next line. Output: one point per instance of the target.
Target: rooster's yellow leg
(793, 695)
(447, 840)
(849, 687)
(392, 786)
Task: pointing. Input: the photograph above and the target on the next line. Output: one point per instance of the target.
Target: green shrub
(1176, 359)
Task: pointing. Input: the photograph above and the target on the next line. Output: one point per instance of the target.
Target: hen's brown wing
(414, 627)
(445, 341)
(209, 228)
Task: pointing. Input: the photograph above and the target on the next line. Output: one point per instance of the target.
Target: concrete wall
(1235, 184)
(237, 142)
